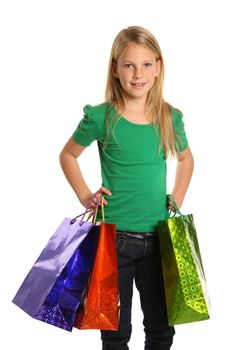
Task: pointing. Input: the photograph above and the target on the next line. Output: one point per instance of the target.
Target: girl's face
(136, 70)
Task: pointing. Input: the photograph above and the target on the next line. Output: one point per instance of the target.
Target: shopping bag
(185, 285)
(59, 308)
(53, 288)
(100, 307)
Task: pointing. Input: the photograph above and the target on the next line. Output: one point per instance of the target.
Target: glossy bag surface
(53, 288)
(100, 307)
(60, 306)
(186, 292)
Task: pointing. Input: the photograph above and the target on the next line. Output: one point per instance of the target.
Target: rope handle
(72, 221)
(96, 208)
(174, 204)
(92, 211)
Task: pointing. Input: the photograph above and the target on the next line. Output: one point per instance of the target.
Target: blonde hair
(157, 110)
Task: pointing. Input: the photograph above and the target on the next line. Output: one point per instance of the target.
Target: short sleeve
(87, 129)
(181, 142)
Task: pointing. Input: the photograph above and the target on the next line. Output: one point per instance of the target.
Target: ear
(158, 68)
(114, 70)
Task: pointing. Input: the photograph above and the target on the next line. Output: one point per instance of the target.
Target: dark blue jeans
(139, 259)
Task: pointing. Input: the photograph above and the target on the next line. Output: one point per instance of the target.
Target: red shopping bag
(100, 307)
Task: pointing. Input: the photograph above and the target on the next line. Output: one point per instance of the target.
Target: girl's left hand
(170, 204)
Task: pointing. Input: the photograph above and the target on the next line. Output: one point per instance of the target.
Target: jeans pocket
(120, 243)
(151, 247)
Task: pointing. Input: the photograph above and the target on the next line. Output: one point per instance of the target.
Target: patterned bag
(184, 279)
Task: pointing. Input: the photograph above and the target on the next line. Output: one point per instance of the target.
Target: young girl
(136, 129)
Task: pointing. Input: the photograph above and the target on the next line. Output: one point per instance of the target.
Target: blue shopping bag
(53, 289)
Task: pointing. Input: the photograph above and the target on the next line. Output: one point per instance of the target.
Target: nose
(137, 73)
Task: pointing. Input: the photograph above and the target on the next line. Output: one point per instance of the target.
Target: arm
(70, 166)
(184, 170)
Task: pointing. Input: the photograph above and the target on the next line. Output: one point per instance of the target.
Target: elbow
(65, 156)
(186, 157)
(61, 156)
(191, 160)
(190, 163)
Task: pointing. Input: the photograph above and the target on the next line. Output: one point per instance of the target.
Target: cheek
(151, 74)
(151, 79)
(125, 77)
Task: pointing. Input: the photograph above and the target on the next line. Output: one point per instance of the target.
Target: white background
(54, 57)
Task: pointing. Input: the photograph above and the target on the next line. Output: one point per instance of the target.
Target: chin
(138, 95)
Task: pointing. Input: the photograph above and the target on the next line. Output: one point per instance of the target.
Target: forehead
(136, 52)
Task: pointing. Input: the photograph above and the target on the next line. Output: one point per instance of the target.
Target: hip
(137, 245)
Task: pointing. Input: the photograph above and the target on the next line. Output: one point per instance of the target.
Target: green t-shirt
(131, 167)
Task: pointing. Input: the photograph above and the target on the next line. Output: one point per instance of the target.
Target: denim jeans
(139, 259)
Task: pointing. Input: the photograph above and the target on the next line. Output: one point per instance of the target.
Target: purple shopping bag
(53, 288)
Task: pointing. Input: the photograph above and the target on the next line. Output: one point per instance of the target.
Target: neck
(135, 105)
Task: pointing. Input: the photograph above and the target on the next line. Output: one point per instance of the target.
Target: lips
(138, 85)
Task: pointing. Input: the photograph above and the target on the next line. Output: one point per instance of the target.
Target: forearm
(72, 171)
(184, 172)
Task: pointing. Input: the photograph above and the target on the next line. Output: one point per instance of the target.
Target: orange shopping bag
(100, 307)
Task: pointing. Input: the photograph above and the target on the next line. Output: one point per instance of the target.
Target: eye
(128, 65)
(148, 64)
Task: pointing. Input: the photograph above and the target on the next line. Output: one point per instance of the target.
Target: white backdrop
(54, 57)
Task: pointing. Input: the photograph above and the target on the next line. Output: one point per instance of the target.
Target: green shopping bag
(186, 292)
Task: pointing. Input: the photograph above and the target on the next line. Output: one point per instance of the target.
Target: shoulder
(177, 118)
(95, 118)
(95, 110)
(175, 113)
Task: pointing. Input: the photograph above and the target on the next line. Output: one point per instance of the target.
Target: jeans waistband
(138, 235)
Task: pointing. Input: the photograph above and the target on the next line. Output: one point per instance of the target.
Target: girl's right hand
(92, 199)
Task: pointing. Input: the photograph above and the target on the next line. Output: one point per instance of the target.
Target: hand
(91, 199)
(170, 205)
(97, 194)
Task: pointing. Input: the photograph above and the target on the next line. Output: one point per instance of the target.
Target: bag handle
(72, 221)
(96, 209)
(88, 209)
(175, 205)
(92, 212)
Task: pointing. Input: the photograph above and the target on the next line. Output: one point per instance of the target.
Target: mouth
(138, 85)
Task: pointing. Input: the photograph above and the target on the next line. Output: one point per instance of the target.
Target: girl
(136, 129)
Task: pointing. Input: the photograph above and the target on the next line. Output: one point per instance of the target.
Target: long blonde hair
(157, 110)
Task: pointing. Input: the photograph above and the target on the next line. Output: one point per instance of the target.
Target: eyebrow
(129, 61)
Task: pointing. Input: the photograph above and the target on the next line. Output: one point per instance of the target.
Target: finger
(96, 200)
(93, 205)
(171, 207)
(105, 190)
(104, 202)
(98, 196)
